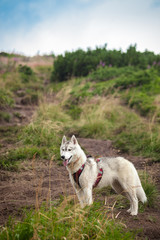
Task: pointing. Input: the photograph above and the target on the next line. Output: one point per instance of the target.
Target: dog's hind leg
(129, 192)
(133, 210)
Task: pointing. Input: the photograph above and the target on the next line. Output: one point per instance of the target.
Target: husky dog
(86, 173)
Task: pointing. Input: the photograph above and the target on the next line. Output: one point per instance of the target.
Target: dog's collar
(77, 174)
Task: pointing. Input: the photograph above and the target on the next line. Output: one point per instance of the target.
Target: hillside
(113, 111)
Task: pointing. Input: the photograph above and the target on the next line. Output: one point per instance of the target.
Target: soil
(42, 180)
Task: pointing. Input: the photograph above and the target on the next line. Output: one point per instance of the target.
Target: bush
(26, 73)
(81, 63)
(136, 79)
(25, 69)
(108, 73)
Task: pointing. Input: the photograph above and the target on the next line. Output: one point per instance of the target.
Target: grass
(67, 221)
(6, 98)
(150, 189)
(42, 136)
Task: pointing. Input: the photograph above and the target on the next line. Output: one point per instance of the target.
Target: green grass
(67, 221)
(11, 160)
(6, 98)
(4, 116)
(150, 189)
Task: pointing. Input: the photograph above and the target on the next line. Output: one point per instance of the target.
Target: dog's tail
(141, 194)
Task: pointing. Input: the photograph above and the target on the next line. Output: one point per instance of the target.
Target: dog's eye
(69, 149)
(63, 149)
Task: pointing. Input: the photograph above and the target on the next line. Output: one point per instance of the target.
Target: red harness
(77, 174)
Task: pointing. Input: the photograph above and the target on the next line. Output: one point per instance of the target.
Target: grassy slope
(118, 104)
(96, 107)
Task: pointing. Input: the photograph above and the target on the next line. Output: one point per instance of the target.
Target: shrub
(25, 69)
(137, 79)
(108, 73)
(81, 63)
(26, 73)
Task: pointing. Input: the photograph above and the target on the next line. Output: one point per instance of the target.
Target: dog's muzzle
(66, 161)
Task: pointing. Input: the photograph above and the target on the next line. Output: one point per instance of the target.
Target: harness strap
(77, 174)
(99, 176)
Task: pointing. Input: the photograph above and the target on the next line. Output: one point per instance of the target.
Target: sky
(33, 27)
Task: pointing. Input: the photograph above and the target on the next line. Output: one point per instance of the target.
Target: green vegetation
(67, 221)
(81, 63)
(150, 190)
(6, 99)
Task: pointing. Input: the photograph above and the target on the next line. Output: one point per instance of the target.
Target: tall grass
(67, 221)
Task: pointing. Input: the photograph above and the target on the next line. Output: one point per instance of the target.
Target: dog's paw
(133, 213)
(129, 210)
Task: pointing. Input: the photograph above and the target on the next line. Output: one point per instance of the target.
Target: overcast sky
(45, 26)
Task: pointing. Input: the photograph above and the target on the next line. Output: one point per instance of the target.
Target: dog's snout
(62, 157)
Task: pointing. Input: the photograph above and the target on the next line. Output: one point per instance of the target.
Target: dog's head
(68, 150)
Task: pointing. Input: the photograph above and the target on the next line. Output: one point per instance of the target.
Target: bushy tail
(141, 194)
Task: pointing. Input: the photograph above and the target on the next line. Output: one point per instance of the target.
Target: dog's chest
(85, 176)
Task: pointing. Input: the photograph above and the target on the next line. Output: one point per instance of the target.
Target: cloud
(118, 23)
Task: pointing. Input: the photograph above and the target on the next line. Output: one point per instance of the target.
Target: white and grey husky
(87, 173)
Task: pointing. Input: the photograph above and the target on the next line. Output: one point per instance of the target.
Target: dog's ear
(74, 140)
(64, 140)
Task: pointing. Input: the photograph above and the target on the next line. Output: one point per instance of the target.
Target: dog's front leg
(87, 196)
(80, 195)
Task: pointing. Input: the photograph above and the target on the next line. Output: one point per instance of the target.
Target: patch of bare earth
(37, 181)
(41, 180)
